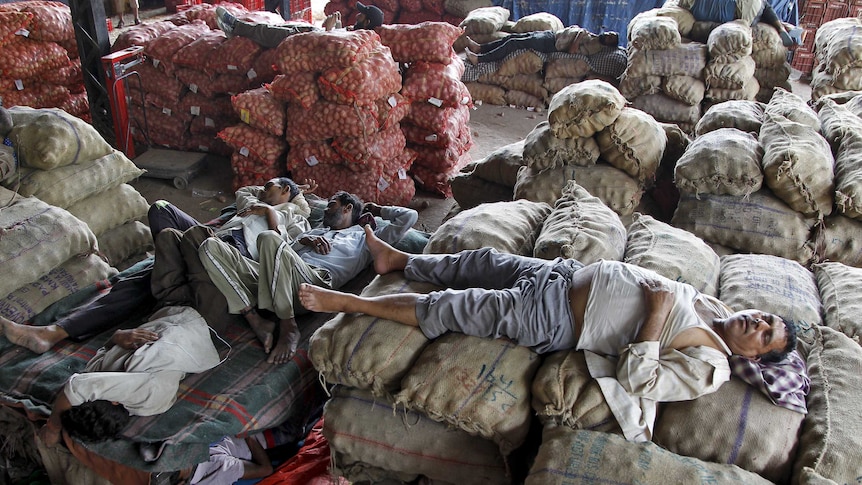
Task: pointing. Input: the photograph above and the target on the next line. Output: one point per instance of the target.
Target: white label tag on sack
(156, 62)
(203, 148)
(166, 111)
(312, 161)
(392, 101)
(23, 32)
(196, 110)
(19, 84)
(436, 102)
(209, 122)
(431, 137)
(402, 174)
(382, 184)
(231, 67)
(251, 74)
(193, 88)
(243, 151)
(465, 100)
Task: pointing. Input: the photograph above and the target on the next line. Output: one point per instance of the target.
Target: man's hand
(308, 186)
(50, 434)
(373, 208)
(319, 244)
(133, 338)
(658, 300)
(256, 209)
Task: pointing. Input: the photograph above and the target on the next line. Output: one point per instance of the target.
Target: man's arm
(259, 466)
(401, 218)
(50, 432)
(247, 196)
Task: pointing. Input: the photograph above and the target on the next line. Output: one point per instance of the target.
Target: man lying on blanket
(138, 372)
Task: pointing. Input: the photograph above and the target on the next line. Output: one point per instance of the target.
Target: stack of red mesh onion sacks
(398, 11)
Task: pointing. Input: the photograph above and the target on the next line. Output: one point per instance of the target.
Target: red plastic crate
(855, 10)
(812, 13)
(252, 5)
(803, 61)
(834, 10)
(300, 10)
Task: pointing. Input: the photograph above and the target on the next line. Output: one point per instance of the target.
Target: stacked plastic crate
(814, 14)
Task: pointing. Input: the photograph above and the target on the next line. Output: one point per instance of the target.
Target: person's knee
(168, 236)
(268, 239)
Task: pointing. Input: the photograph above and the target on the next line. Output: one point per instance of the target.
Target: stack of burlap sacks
(838, 50)
(68, 214)
(453, 409)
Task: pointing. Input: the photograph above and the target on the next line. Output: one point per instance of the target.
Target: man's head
(278, 191)
(95, 421)
(368, 17)
(342, 211)
(757, 335)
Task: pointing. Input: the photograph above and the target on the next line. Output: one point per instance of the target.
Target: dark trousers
(497, 50)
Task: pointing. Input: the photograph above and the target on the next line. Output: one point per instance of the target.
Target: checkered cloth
(786, 383)
(610, 63)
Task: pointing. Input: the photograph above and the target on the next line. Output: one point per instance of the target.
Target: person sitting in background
(269, 36)
(750, 11)
(544, 41)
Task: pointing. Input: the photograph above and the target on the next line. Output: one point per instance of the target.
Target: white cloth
(145, 380)
(226, 463)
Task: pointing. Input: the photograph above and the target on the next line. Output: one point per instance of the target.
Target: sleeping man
(647, 339)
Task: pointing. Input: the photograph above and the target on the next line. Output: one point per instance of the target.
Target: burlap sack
(677, 143)
(770, 58)
(725, 161)
(701, 29)
(823, 84)
(509, 227)
(364, 428)
(71, 276)
(523, 100)
(487, 93)
(595, 457)
(564, 393)
(729, 42)
(719, 95)
(797, 165)
(48, 138)
(673, 253)
(831, 437)
(501, 165)
(461, 8)
(760, 223)
(850, 79)
(840, 239)
(543, 150)
(357, 471)
(469, 190)
(650, 32)
(687, 59)
(838, 44)
(665, 108)
(772, 77)
(110, 208)
(765, 37)
(365, 352)
(538, 22)
(730, 75)
(121, 242)
(683, 17)
(556, 84)
(736, 425)
(521, 62)
(854, 104)
(567, 67)
(740, 114)
(687, 89)
(36, 239)
(581, 110)
(844, 131)
(633, 143)
(581, 227)
(771, 284)
(528, 83)
(485, 20)
(543, 185)
(839, 288)
(493, 403)
(64, 186)
(794, 108)
(612, 186)
(632, 87)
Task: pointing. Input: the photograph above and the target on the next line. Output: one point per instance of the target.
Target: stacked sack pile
(409, 12)
(838, 50)
(665, 76)
(39, 58)
(436, 126)
(729, 74)
(770, 59)
(343, 115)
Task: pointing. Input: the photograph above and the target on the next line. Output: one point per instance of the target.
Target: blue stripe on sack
(741, 425)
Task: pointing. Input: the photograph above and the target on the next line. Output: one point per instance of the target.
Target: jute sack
(581, 110)
(509, 227)
(521, 62)
(500, 166)
(823, 84)
(839, 291)
(48, 138)
(794, 108)
(469, 190)
(71, 276)
(538, 22)
(357, 471)
(487, 93)
(730, 75)
(725, 161)
(564, 393)
(365, 428)
(665, 108)
(493, 403)
(854, 104)
(797, 165)
(735, 425)
(365, 352)
(844, 131)
(543, 185)
(461, 8)
(612, 186)
(36, 239)
(543, 150)
(701, 29)
(687, 59)
(772, 77)
(850, 79)
(523, 100)
(676, 254)
(485, 20)
(567, 67)
(110, 208)
(683, 17)
(770, 58)
(677, 142)
(831, 436)
(687, 89)
(649, 32)
(528, 83)
(840, 240)
(766, 46)
(748, 91)
(729, 42)
(556, 84)
(581, 227)
(838, 44)
(740, 114)
(631, 87)
(608, 458)
(64, 186)
(772, 284)
(121, 242)
(633, 143)
(760, 223)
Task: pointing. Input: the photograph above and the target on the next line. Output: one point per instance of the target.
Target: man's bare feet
(386, 258)
(35, 339)
(322, 300)
(288, 341)
(473, 46)
(471, 56)
(262, 328)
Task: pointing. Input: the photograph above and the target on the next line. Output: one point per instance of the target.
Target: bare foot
(471, 56)
(262, 327)
(474, 46)
(288, 341)
(322, 300)
(35, 339)
(386, 258)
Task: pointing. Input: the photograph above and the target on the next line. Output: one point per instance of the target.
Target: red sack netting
(160, 138)
(24, 58)
(196, 104)
(76, 104)
(364, 82)
(253, 143)
(260, 109)
(319, 51)
(391, 110)
(406, 17)
(411, 5)
(207, 143)
(250, 171)
(438, 182)
(164, 47)
(439, 159)
(235, 56)
(141, 35)
(196, 54)
(206, 125)
(264, 69)
(67, 75)
(332, 6)
(12, 22)
(230, 83)
(206, 13)
(326, 119)
(197, 81)
(312, 153)
(378, 150)
(36, 95)
(452, 131)
(383, 4)
(439, 84)
(436, 6)
(52, 21)
(211, 86)
(158, 124)
(428, 41)
(168, 107)
(430, 117)
(152, 80)
(300, 88)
